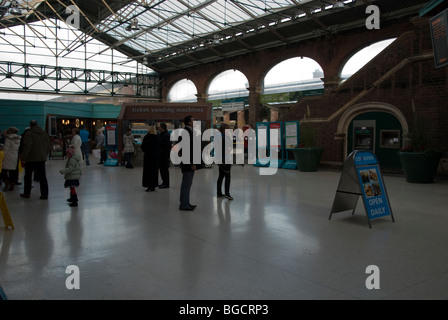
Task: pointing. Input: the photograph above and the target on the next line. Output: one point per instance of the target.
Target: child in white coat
(72, 174)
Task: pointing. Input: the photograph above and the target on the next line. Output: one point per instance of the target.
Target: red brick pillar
(254, 104)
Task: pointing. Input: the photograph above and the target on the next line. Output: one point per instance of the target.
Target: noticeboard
(291, 134)
(111, 146)
(439, 37)
(277, 143)
(361, 176)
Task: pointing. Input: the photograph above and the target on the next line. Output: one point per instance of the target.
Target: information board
(278, 127)
(262, 134)
(439, 26)
(361, 176)
(291, 132)
(276, 144)
(372, 187)
(111, 146)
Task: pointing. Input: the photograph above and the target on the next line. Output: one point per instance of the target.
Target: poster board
(56, 148)
(361, 176)
(439, 36)
(111, 145)
(276, 145)
(262, 142)
(291, 133)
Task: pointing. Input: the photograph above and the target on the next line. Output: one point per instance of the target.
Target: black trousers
(224, 172)
(164, 173)
(39, 168)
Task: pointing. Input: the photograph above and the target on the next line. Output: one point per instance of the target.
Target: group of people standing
(156, 150)
(31, 150)
(189, 169)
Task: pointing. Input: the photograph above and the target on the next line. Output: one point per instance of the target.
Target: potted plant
(307, 154)
(418, 159)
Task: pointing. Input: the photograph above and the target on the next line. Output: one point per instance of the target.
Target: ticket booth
(139, 116)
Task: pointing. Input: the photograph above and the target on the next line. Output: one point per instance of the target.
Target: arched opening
(183, 91)
(300, 74)
(289, 81)
(362, 57)
(228, 84)
(376, 127)
(230, 97)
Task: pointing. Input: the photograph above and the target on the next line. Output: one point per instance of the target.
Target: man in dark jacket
(164, 156)
(36, 147)
(188, 170)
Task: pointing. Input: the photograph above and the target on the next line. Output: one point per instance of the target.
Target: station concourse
(274, 241)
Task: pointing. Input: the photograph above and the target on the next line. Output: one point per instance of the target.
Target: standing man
(100, 143)
(36, 147)
(188, 170)
(164, 156)
(84, 134)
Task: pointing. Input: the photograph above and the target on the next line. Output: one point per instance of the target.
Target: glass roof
(164, 23)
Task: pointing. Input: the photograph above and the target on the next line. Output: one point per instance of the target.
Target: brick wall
(416, 83)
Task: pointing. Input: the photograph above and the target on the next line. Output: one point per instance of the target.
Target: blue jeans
(85, 151)
(187, 181)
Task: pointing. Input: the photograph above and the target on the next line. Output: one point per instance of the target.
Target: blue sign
(374, 194)
(363, 158)
(363, 165)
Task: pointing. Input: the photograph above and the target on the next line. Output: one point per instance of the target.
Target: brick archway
(351, 113)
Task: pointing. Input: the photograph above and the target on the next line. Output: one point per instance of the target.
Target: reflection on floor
(273, 241)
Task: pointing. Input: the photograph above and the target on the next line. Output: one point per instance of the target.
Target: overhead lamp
(216, 39)
(14, 8)
(133, 25)
(338, 5)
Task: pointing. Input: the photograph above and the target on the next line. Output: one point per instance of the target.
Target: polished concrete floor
(273, 241)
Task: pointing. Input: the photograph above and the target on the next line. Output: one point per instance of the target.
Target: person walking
(150, 148)
(36, 148)
(226, 165)
(128, 149)
(188, 170)
(85, 148)
(11, 150)
(164, 156)
(100, 144)
(76, 142)
(72, 174)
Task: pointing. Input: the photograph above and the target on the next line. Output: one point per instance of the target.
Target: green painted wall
(19, 113)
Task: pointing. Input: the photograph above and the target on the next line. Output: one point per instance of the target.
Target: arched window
(183, 91)
(228, 84)
(295, 74)
(362, 57)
